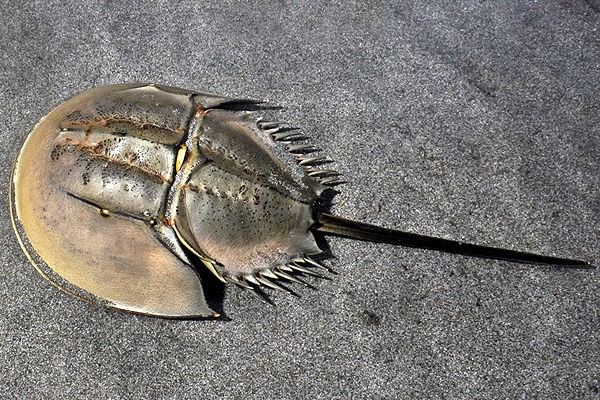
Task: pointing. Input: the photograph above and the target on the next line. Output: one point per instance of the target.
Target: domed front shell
(114, 188)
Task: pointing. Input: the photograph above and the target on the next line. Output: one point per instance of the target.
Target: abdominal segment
(242, 224)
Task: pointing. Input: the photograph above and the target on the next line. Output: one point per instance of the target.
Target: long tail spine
(339, 226)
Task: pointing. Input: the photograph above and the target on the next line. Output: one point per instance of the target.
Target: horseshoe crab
(119, 195)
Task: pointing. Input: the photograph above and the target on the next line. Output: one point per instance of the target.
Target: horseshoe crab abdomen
(235, 202)
(245, 225)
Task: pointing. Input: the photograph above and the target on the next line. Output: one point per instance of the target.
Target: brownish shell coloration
(120, 193)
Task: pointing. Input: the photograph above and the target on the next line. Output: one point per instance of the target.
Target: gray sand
(477, 122)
